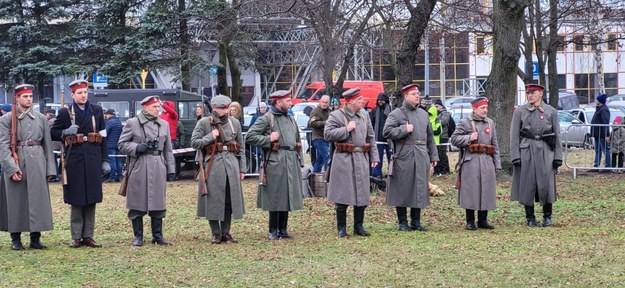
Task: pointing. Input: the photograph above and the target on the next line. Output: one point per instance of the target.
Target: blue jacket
(113, 131)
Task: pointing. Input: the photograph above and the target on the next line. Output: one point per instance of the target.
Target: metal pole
(426, 49)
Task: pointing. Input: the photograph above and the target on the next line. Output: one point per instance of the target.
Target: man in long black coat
(82, 128)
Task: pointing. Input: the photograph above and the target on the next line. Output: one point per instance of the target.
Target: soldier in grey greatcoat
(414, 151)
(146, 139)
(224, 197)
(354, 153)
(477, 138)
(536, 154)
(24, 195)
(278, 134)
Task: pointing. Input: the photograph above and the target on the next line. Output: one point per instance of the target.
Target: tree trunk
(222, 77)
(185, 43)
(501, 87)
(552, 54)
(419, 19)
(235, 74)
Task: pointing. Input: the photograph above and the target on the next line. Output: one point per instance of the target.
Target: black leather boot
(402, 219)
(16, 241)
(137, 231)
(35, 241)
(215, 231)
(415, 219)
(283, 223)
(530, 217)
(273, 225)
(359, 218)
(547, 210)
(341, 219)
(470, 216)
(157, 232)
(482, 220)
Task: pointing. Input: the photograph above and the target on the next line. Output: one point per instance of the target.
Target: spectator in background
(262, 109)
(6, 108)
(113, 131)
(448, 125)
(437, 128)
(180, 135)
(56, 145)
(170, 116)
(601, 133)
(335, 104)
(617, 140)
(317, 122)
(236, 111)
(378, 119)
(199, 111)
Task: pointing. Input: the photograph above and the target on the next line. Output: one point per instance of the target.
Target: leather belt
(154, 152)
(416, 142)
(288, 148)
(29, 143)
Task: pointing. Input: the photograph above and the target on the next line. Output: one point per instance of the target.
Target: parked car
(303, 107)
(584, 115)
(458, 112)
(572, 133)
(458, 100)
(617, 97)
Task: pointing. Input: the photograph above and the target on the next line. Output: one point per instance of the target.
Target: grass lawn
(584, 247)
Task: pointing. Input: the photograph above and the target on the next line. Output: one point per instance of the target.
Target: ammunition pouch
(234, 147)
(219, 147)
(275, 146)
(80, 138)
(481, 148)
(351, 148)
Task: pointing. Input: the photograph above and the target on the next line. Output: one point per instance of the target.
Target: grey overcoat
(283, 190)
(349, 174)
(148, 172)
(536, 174)
(25, 205)
(413, 154)
(225, 170)
(478, 170)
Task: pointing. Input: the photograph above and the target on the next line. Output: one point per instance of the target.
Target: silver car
(572, 132)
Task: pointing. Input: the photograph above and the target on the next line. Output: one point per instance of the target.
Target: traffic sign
(100, 80)
(213, 70)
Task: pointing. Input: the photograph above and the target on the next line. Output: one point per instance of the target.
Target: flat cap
(22, 89)
(78, 84)
(351, 94)
(437, 102)
(406, 89)
(150, 100)
(51, 111)
(110, 112)
(221, 101)
(534, 87)
(279, 94)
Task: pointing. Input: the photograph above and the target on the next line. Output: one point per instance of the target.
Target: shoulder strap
(72, 114)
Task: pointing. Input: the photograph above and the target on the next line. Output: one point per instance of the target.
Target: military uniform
(25, 204)
(82, 129)
(146, 139)
(224, 197)
(413, 153)
(349, 167)
(535, 163)
(283, 159)
(479, 163)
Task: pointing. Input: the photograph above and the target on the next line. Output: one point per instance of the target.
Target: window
(579, 42)
(611, 83)
(561, 43)
(121, 107)
(480, 45)
(186, 109)
(585, 85)
(612, 42)
(561, 82)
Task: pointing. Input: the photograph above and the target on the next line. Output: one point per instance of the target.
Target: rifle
(13, 144)
(204, 173)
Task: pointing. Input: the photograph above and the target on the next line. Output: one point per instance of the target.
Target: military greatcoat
(225, 170)
(148, 171)
(283, 190)
(25, 205)
(84, 161)
(536, 175)
(349, 172)
(478, 170)
(413, 154)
